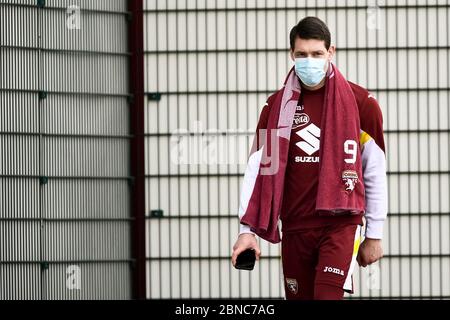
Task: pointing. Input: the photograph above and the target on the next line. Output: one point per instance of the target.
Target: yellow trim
(356, 246)
(363, 138)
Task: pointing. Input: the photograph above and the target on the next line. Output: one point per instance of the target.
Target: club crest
(350, 178)
(292, 285)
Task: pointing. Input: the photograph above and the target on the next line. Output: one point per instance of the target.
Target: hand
(245, 241)
(369, 252)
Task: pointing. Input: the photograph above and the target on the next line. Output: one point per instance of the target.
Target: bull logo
(350, 178)
(292, 285)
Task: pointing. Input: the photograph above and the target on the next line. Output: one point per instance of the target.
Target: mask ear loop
(329, 74)
(330, 71)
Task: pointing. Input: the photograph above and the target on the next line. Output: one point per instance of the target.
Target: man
(332, 176)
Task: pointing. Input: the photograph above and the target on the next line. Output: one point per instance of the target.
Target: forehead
(309, 45)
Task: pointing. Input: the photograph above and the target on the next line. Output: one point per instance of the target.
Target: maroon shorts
(318, 258)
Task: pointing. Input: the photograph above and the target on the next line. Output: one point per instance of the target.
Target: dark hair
(310, 28)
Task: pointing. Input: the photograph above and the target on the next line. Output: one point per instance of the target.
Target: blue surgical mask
(310, 70)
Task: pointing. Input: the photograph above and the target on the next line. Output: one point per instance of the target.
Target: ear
(291, 53)
(331, 51)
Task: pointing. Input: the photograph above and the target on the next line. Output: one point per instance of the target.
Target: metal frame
(136, 48)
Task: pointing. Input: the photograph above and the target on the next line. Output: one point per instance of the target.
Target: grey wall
(214, 64)
(217, 61)
(78, 137)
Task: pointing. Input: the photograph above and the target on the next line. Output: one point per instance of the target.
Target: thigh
(338, 249)
(299, 257)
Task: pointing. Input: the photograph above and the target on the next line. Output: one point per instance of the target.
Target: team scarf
(341, 187)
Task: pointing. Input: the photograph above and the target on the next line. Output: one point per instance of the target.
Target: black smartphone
(246, 260)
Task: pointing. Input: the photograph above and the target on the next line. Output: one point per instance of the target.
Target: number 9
(350, 147)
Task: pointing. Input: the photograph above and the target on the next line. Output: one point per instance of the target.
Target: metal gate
(74, 176)
(210, 65)
(65, 211)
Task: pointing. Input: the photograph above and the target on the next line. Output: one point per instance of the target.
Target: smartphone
(246, 260)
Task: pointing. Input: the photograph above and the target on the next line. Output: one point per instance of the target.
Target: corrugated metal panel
(214, 63)
(65, 164)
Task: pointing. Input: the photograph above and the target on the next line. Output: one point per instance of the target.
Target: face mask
(310, 70)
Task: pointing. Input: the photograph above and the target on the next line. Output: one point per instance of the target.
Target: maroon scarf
(341, 188)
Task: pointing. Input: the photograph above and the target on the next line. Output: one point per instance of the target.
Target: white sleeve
(251, 173)
(375, 183)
